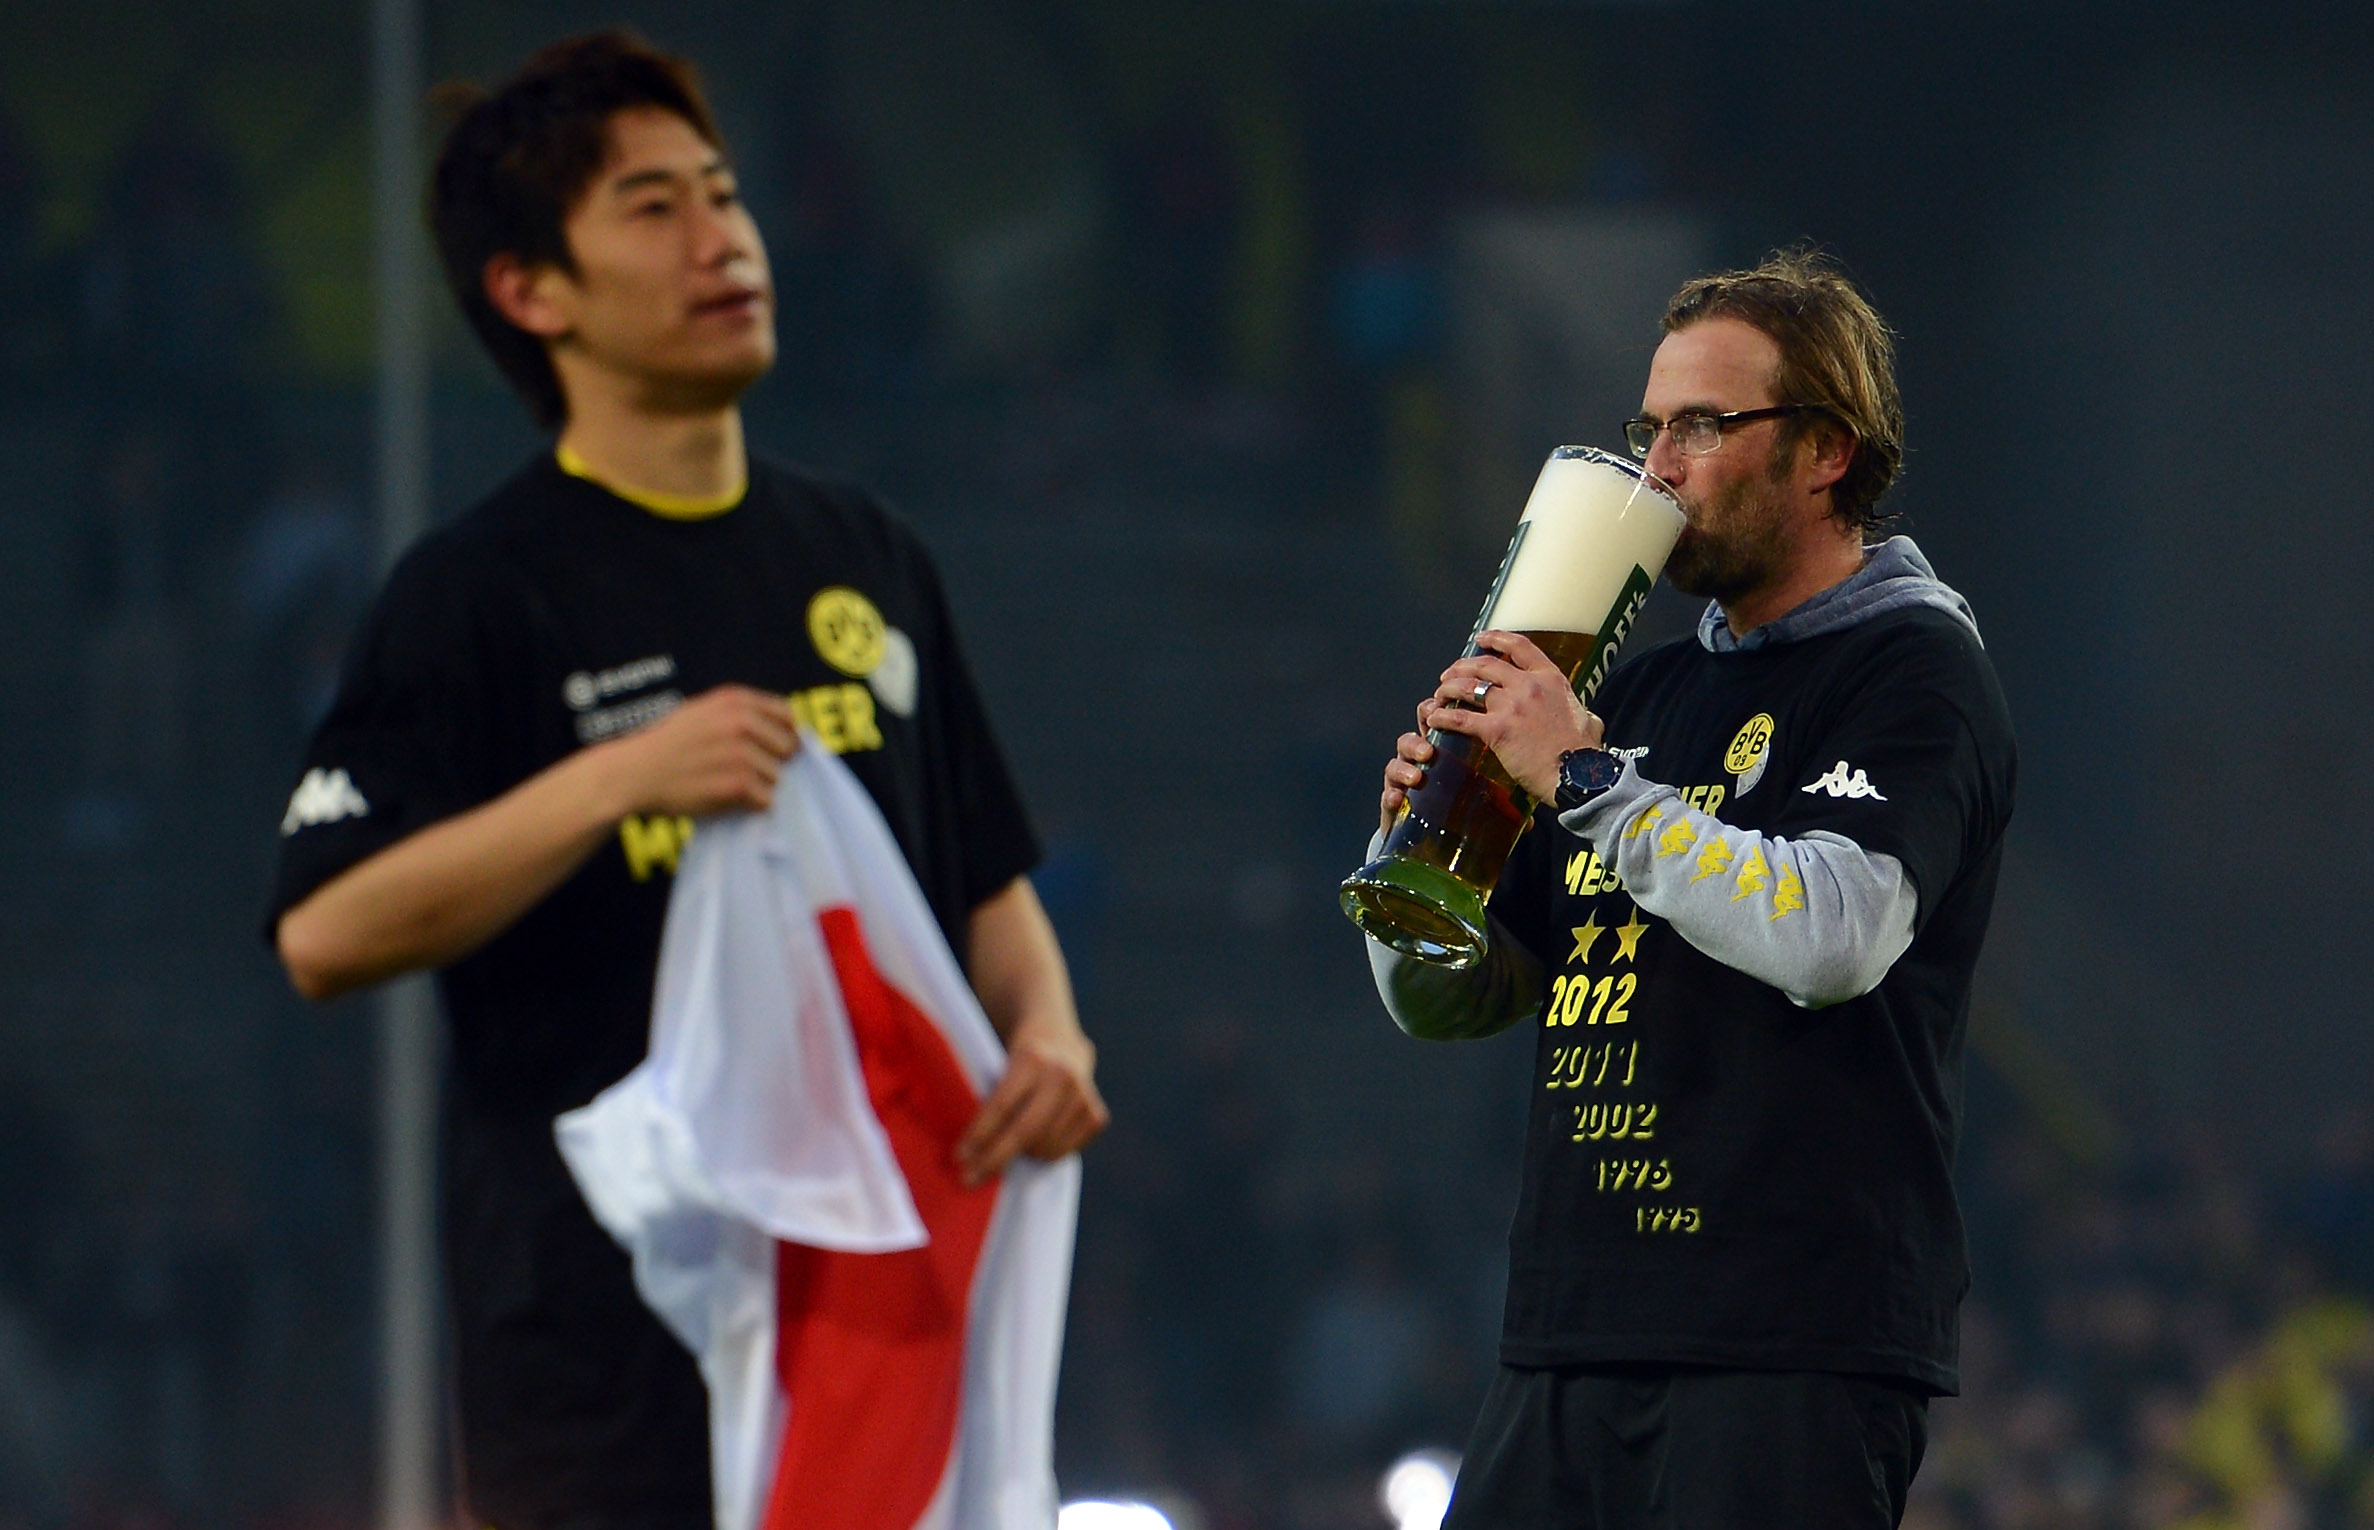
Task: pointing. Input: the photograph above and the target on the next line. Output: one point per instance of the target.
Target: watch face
(1586, 773)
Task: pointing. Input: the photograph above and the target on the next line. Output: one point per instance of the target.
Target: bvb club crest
(847, 630)
(1750, 747)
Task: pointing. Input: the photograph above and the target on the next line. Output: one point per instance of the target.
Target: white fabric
(749, 1123)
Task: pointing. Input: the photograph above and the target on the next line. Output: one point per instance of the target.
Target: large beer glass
(1594, 536)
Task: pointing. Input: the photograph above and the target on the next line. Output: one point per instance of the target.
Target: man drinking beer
(1746, 929)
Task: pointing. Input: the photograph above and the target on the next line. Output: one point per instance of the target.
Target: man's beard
(1733, 547)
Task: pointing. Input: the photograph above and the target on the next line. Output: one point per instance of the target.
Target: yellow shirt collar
(676, 507)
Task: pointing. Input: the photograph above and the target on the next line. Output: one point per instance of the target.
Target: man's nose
(718, 237)
(1666, 460)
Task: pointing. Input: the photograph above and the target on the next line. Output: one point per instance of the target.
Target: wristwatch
(1582, 775)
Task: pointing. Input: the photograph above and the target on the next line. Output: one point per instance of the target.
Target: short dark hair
(1836, 354)
(519, 157)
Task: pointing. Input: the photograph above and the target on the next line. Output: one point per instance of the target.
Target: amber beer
(1594, 535)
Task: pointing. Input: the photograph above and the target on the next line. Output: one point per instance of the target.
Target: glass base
(1418, 910)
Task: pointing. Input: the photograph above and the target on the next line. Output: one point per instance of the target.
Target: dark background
(1213, 346)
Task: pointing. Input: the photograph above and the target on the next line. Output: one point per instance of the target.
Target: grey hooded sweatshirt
(1861, 904)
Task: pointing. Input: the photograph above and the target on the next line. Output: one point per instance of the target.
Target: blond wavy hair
(1837, 355)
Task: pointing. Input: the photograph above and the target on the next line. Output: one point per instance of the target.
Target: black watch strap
(1583, 774)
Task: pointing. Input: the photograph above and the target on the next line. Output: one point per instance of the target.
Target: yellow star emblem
(1628, 935)
(1586, 935)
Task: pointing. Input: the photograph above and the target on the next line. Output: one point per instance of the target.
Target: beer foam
(1592, 517)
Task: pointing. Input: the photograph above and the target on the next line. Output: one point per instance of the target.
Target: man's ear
(533, 297)
(1829, 452)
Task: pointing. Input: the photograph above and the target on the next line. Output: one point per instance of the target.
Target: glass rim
(1630, 464)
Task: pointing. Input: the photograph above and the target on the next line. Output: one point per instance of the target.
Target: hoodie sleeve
(1435, 1003)
(1904, 781)
(1816, 916)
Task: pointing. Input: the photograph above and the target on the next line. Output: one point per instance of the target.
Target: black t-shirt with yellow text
(1713, 1174)
(552, 616)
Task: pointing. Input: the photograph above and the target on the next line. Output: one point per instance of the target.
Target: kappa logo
(1839, 783)
(324, 796)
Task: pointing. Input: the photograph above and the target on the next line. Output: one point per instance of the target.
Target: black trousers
(1677, 1448)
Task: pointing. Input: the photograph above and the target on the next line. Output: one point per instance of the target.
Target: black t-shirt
(553, 616)
(1714, 1175)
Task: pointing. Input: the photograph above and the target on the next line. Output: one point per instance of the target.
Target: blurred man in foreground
(1747, 928)
(555, 685)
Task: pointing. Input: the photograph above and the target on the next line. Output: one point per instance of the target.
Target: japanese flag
(880, 1342)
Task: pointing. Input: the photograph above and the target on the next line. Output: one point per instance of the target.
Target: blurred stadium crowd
(1192, 402)
(2161, 1340)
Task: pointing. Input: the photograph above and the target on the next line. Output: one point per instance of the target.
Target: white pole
(408, 1286)
(408, 1322)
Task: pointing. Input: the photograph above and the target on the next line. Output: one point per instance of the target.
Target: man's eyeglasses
(1696, 432)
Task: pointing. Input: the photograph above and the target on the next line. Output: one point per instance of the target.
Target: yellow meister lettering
(840, 715)
(1587, 873)
(1704, 798)
(653, 844)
